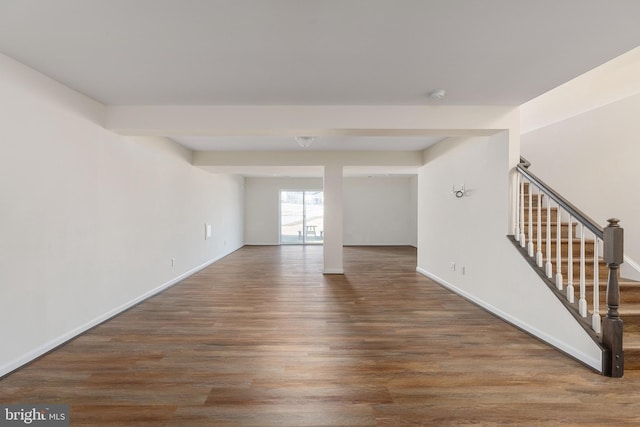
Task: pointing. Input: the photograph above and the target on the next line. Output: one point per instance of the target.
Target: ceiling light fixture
(304, 141)
(437, 95)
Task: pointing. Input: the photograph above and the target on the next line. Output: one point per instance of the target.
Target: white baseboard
(584, 358)
(52, 344)
(333, 271)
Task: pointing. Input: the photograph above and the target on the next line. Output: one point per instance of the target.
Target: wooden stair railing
(562, 260)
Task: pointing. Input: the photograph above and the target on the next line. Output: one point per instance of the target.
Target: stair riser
(564, 230)
(631, 360)
(554, 214)
(588, 250)
(534, 199)
(603, 269)
(628, 319)
(603, 272)
(629, 297)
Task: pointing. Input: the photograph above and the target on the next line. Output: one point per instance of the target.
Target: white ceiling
(318, 52)
(315, 52)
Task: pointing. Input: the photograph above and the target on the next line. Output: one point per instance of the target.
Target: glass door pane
(291, 217)
(313, 215)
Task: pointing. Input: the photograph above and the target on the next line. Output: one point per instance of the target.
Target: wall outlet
(207, 231)
(463, 270)
(173, 262)
(452, 265)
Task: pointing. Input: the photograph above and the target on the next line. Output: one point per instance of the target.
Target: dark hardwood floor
(262, 338)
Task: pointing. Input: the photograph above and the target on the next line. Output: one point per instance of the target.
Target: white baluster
(539, 233)
(582, 302)
(596, 321)
(517, 204)
(570, 293)
(530, 245)
(523, 241)
(549, 265)
(559, 250)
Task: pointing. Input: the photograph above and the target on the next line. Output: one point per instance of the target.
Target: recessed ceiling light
(437, 95)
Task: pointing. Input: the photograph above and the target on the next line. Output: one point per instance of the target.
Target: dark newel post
(613, 365)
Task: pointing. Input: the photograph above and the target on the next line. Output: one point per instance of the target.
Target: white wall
(377, 211)
(471, 232)
(589, 152)
(91, 220)
(592, 160)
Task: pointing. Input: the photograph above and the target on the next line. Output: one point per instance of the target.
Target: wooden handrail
(524, 162)
(564, 203)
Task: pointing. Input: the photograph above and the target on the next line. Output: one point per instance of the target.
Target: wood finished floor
(262, 338)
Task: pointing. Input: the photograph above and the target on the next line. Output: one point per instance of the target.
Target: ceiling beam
(311, 120)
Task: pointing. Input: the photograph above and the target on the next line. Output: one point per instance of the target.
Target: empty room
(319, 213)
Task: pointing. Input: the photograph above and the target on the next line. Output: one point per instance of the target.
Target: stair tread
(526, 222)
(576, 259)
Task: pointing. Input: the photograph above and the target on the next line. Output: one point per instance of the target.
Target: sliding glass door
(301, 217)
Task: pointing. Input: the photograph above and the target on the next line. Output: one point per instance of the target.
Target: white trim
(52, 344)
(585, 358)
(333, 271)
(630, 269)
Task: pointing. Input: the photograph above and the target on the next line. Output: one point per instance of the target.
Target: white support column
(333, 219)
(582, 302)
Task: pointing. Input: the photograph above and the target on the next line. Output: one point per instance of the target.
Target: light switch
(207, 231)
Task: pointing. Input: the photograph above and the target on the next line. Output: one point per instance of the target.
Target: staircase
(545, 261)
